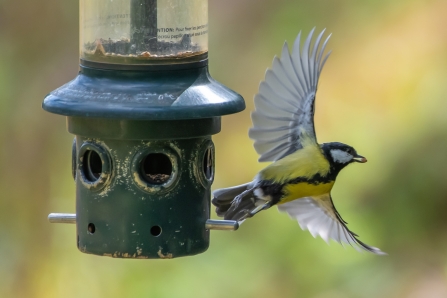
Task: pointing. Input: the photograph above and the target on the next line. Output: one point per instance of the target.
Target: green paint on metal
(125, 129)
(133, 220)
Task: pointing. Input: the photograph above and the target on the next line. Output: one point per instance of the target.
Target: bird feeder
(143, 108)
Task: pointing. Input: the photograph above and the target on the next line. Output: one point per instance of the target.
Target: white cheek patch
(341, 156)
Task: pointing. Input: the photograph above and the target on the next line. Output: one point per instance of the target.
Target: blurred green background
(383, 91)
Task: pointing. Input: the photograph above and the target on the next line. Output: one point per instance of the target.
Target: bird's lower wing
(319, 216)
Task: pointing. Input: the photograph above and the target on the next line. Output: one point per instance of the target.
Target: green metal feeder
(143, 109)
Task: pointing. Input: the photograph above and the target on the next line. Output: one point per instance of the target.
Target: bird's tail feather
(234, 203)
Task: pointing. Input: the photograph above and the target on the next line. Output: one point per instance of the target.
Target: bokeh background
(383, 90)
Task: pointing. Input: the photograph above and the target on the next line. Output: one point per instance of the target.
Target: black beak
(359, 158)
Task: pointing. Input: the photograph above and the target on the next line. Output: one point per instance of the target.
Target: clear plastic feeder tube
(143, 31)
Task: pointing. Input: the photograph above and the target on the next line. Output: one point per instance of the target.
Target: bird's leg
(249, 214)
(239, 197)
(237, 200)
(259, 208)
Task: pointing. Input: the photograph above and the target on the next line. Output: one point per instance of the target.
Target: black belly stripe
(272, 189)
(316, 179)
(276, 190)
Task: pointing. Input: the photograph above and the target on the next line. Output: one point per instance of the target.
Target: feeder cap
(159, 93)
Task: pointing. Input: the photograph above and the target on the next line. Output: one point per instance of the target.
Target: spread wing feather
(285, 100)
(319, 216)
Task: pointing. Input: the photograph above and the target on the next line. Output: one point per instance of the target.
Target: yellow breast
(304, 189)
(305, 163)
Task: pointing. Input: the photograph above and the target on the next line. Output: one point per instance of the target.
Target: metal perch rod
(211, 224)
(62, 218)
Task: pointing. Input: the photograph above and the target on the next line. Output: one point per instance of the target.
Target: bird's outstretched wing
(319, 216)
(285, 101)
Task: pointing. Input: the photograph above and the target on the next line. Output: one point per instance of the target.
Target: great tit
(303, 172)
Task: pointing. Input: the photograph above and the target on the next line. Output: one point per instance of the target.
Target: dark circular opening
(156, 168)
(92, 165)
(208, 164)
(91, 228)
(156, 231)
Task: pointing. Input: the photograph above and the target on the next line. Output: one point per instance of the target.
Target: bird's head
(340, 155)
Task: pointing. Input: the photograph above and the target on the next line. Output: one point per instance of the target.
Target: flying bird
(302, 173)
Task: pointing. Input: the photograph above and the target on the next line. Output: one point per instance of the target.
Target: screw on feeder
(143, 109)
